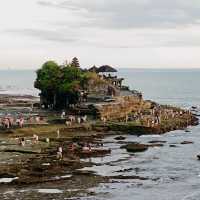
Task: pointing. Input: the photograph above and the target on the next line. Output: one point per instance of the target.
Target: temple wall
(121, 107)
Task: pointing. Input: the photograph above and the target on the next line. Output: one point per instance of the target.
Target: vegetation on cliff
(63, 85)
(60, 85)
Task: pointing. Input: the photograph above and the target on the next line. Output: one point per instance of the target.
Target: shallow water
(174, 173)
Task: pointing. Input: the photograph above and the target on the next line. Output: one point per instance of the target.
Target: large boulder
(187, 142)
(135, 147)
(120, 138)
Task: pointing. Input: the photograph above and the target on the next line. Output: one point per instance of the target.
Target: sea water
(169, 86)
(19, 82)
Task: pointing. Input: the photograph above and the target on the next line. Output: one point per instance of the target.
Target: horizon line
(134, 68)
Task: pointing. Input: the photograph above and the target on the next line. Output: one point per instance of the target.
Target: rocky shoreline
(37, 164)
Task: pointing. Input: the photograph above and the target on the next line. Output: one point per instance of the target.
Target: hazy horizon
(132, 33)
(118, 68)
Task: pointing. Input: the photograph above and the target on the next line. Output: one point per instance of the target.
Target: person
(79, 120)
(87, 148)
(35, 139)
(63, 115)
(68, 123)
(59, 153)
(104, 119)
(22, 141)
(17, 121)
(126, 119)
(84, 118)
(58, 133)
(72, 118)
(72, 147)
(37, 119)
(85, 96)
(11, 120)
(21, 122)
(7, 123)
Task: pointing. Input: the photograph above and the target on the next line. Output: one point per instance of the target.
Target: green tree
(75, 62)
(48, 78)
(60, 86)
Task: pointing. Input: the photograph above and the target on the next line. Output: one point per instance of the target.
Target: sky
(128, 33)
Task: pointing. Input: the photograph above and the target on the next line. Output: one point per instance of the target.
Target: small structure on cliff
(93, 69)
(106, 69)
(114, 80)
(105, 72)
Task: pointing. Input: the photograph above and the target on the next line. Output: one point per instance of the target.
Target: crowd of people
(156, 116)
(84, 147)
(22, 141)
(9, 121)
(72, 119)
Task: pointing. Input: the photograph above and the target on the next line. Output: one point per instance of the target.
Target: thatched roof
(93, 69)
(106, 68)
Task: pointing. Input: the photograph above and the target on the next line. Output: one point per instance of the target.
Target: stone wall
(120, 108)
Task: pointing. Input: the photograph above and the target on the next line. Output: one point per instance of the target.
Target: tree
(75, 62)
(48, 78)
(60, 86)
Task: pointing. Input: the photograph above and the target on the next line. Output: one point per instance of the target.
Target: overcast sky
(121, 33)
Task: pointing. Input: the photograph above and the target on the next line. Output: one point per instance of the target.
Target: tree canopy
(48, 76)
(60, 85)
(75, 62)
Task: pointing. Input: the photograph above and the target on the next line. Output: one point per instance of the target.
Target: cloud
(50, 35)
(115, 24)
(132, 13)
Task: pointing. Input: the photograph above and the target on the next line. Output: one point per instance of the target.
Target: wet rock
(125, 170)
(157, 141)
(6, 175)
(93, 153)
(83, 172)
(194, 107)
(155, 158)
(23, 151)
(120, 138)
(173, 145)
(122, 142)
(155, 145)
(187, 131)
(187, 142)
(129, 177)
(135, 147)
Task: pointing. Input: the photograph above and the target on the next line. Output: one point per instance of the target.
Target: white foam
(45, 164)
(62, 177)
(67, 176)
(149, 136)
(10, 192)
(50, 191)
(7, 180)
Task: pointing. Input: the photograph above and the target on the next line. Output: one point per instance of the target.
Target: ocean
(167, 86)
(172, 173)
(18, 82)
